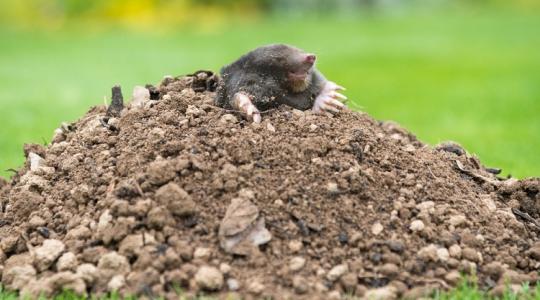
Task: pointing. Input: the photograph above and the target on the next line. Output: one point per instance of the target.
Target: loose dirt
(177, 194)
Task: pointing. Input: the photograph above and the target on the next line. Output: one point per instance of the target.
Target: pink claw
(243, 103)
(329, 99)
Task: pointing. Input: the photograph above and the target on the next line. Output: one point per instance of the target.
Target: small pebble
(428, 253)
(334, 295)
(383, 293)
(300, 284)
(457, 220)
(425, 206)
(343, 238)
(443, 254)
(377, 228)
(349, 282)
(67, 262)
(255, 287)
(295, 246)
(455, 251)
(395, 246)
(270, 127)
(225, 268)
(296, 263)
(202, 253)
(470, 254)
(209, 278)
(356, 236)
(116, 283)
(452, 277)
(233, 284)
(389, 270)
(336, 272)
(332, 188)
(278, 202)
(417, 225)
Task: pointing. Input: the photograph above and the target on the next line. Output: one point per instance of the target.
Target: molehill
(173, 193)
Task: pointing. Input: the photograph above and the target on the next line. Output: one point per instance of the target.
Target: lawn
(472, 76)
(464, 291)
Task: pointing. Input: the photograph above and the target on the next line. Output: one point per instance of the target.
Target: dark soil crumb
(176, 192)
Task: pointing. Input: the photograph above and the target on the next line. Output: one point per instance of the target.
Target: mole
(276, 74)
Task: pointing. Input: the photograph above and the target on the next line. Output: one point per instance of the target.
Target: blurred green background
(467, 71)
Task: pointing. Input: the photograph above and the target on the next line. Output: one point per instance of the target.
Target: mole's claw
(257, 117)
(253, 114)
(242, 103)
(328, 107)
(330, 85)
(327, 103)
(249, 110)
(329, 99)
(337, 95)
(335, 103)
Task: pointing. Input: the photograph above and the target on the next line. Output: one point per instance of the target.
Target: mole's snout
(310, 58)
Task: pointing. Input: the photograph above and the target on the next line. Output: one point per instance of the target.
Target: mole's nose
(310, 58)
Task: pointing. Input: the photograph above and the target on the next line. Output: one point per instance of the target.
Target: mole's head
(290, 65)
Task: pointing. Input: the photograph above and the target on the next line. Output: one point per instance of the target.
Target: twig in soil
(526, 217)
(433, 280)
(494, 171)
(431, 172)
(139, 189)
(232, 111)
(474, 175)
(110, 188)
(103, 123)
(267, 111)
(240, 112)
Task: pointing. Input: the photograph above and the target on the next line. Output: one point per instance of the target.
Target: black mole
(273, 75)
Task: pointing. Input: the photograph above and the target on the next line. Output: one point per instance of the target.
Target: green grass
(472, 76)
(67, 295)
(465, 291)
(470, 291)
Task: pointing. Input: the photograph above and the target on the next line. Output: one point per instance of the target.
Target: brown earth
(142, 204)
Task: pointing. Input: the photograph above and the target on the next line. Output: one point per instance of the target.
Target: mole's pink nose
(310, 58)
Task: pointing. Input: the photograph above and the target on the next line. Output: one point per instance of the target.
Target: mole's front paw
(243, 103)
(329, 99)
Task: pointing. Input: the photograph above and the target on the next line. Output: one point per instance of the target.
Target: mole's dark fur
(263, 74)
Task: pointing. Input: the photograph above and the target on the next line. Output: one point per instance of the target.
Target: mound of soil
(175, 193)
